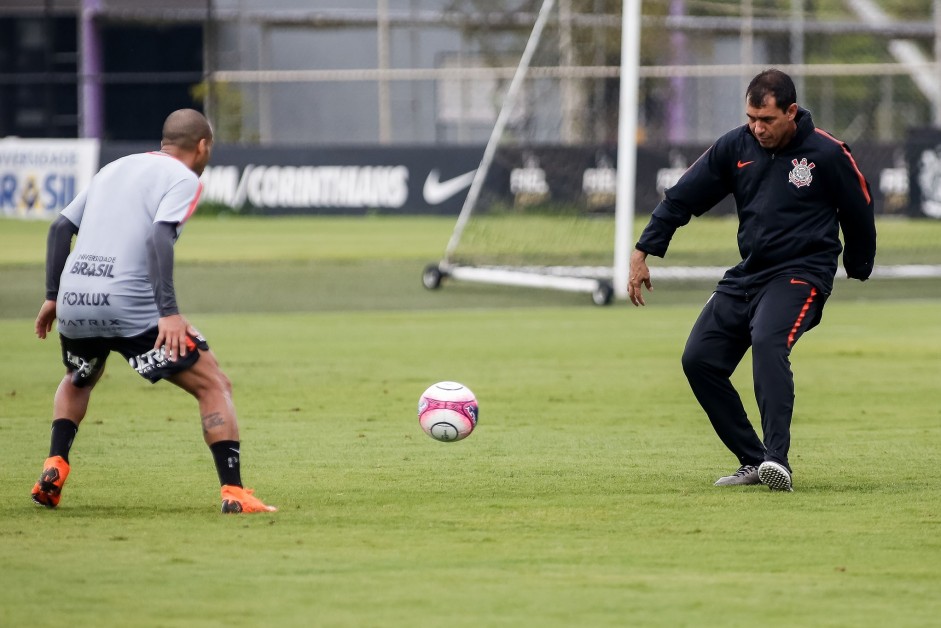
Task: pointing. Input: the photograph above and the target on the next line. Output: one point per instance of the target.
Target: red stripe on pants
(800, 317)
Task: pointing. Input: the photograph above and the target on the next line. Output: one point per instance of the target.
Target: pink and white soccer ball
(447, 411)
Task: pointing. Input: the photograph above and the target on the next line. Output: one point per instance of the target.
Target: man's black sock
(63, 434)
(226, 455)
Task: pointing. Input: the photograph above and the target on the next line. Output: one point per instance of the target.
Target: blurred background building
(327, 72)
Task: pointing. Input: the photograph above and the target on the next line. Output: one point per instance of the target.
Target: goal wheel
(602, 294)
(431, 277)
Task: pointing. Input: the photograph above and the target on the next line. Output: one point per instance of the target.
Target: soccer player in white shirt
(114, 292)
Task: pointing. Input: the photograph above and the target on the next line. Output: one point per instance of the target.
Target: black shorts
(85, 357)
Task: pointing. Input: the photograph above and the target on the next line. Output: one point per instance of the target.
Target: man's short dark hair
(184, 128)
(771, 83)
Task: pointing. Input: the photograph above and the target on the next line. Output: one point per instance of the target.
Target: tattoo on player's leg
(212, 420)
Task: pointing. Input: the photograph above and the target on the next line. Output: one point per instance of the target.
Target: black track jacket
(791, 205)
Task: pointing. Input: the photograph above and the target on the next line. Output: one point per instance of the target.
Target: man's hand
(857, 270)
(639, 275)
(47, 314)
(171, 334)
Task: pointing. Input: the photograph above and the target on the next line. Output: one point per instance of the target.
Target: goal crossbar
(563, 278)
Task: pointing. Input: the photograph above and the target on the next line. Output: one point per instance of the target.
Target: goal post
(508, 102)
(627, 144)
(603, 282)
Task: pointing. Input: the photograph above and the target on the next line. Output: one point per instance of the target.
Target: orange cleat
(236, 499)
(48, 489)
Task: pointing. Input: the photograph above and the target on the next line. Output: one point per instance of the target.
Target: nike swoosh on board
(437, 192)
(742, 164)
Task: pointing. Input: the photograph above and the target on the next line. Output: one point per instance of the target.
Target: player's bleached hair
(771, 83)
(184, 128)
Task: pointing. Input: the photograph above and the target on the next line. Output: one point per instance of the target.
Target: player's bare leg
(71, 402)
(69, 407)
(213, 391)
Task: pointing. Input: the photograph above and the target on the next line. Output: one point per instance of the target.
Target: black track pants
(770, 323)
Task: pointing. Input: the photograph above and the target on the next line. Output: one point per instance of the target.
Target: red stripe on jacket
(859, 175)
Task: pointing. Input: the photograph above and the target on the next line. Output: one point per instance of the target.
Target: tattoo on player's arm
(212, 420)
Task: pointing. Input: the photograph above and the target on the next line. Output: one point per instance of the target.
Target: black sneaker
(775, 476)
(746, 474)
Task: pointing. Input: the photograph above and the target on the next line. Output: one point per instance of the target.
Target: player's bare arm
(638, 276)
(45, 318)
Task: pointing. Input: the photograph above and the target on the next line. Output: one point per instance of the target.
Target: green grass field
(584, 497)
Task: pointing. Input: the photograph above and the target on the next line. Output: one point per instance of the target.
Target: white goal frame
(602, 283)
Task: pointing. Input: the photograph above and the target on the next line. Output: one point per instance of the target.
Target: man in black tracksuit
(795, 187)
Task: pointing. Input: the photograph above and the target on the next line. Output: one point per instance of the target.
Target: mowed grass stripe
(584, 497)
(705, 241)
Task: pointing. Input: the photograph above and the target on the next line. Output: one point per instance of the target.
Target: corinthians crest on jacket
(801, 176)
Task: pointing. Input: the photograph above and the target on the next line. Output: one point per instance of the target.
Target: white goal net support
(526, 238)
(552, 203)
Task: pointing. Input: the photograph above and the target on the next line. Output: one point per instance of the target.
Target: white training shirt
(105, 288)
